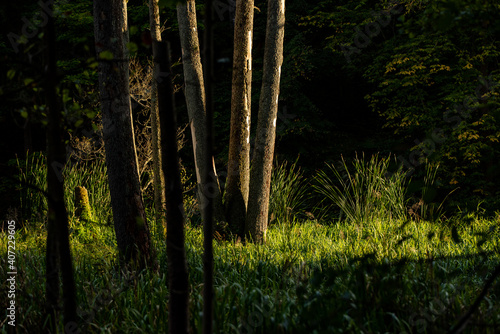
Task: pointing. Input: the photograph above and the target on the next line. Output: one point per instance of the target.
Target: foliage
(430, 69)
(367, 193)
(439, 87)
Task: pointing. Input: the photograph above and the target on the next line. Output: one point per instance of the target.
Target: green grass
(367, 191)
(389, 274)
(288, 193)
(383, 277)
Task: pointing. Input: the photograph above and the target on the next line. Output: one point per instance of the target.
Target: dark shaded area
(333, 101)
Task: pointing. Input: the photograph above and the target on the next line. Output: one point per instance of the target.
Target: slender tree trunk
(131, 227)
(260, 175)
(208, 257)
(158, 177)
(237, 183)
(178, 316)
(58, 248)
(208, 185)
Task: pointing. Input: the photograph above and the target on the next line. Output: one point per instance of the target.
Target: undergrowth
(390, 274)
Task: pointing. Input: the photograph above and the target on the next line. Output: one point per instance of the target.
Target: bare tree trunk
(258, 206)
(208, 256)
(208, 186)
(158, 177)
(178, 315)
(237, 183)
(131, 227)
(58, 248)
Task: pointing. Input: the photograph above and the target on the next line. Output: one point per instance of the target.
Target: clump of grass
(366, 192)
(430, 210)
(288, 192)
(32, 177)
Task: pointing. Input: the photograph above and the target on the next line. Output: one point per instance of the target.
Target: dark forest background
(414, 79)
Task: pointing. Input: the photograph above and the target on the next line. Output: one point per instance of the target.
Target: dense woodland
(342, 155)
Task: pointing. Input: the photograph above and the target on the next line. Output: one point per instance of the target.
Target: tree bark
(178, 316)
(260, 175)
(131, 227)
(208, 256)
(237, 183)
(208, 185)
(58, 254)
(158, 177)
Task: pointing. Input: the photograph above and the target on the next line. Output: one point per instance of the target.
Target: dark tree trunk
(158, 177)
(208, 258)
(178, 316)
(260, 175)
(238, 170)
(58, 255)
(131, 227)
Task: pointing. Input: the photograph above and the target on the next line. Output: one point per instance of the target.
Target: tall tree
(58, 254)
(131, 227)
(158, 177)
(208, 185)
(238, 177)
(260, 175)
(208, 256)
(178, 318)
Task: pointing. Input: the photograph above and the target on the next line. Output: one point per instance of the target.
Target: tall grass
(365, 192)
(429, 209)
(32, 176)
(288, 192)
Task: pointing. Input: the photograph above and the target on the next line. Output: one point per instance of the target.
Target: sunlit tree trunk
(260, 175)
(237, 183)
(158, 177)
(131, 227)
(208, 186)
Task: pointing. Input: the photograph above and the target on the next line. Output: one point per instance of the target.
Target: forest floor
(383, 276)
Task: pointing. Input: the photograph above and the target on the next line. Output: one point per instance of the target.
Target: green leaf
(24, 113)
(27, 81)
(132, 47)
(90, 114)
(11, 73)
(106, 55)
(133, 30)
(79, 123)
(66, 97)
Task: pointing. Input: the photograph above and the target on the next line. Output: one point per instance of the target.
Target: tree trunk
(237, 183)
(158, 177)
(131, 227)
(260, 175)
(178, 315)
(208, 256)
(58, 249)
(208, 186)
